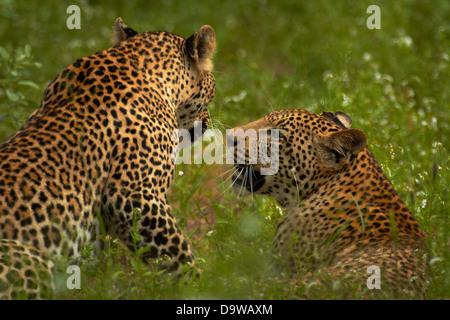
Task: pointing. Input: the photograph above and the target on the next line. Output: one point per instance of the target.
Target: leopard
(97, 156)
(344, 225)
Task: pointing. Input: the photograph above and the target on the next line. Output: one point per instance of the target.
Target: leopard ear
(336, 149)
(200, 47)
(344, 119)
(121, 32)
(340, 118)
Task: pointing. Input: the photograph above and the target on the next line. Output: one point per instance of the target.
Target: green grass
(315, 55)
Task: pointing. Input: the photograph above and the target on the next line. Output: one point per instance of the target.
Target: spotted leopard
(100, 147)
(343, 216)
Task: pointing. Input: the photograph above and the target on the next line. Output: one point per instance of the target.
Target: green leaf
(222, 221)
(12, 96)
(29, 84)
(143, 250)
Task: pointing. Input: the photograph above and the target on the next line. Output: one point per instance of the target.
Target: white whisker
(234, 181)
(232, 171)
(242, 189)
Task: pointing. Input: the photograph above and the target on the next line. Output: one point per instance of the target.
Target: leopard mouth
(247, 177)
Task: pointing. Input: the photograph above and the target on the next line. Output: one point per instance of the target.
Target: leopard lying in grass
(343, 215)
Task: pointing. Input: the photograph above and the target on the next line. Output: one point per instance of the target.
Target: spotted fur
(342, 213)
(101, 145)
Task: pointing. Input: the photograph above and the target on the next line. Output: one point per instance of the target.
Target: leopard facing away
(102, 142)
(344, 220)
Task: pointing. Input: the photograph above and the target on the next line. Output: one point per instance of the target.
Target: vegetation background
(317, 55)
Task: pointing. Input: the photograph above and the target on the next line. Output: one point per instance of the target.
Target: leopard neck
(361, 195)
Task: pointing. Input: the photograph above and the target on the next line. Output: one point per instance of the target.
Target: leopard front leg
(134, 200)
(126, 212)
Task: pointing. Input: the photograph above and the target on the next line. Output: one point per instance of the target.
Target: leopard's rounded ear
(340, 118)
(344, 119)
(336, 149)
(121, 32)
(200, 47)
